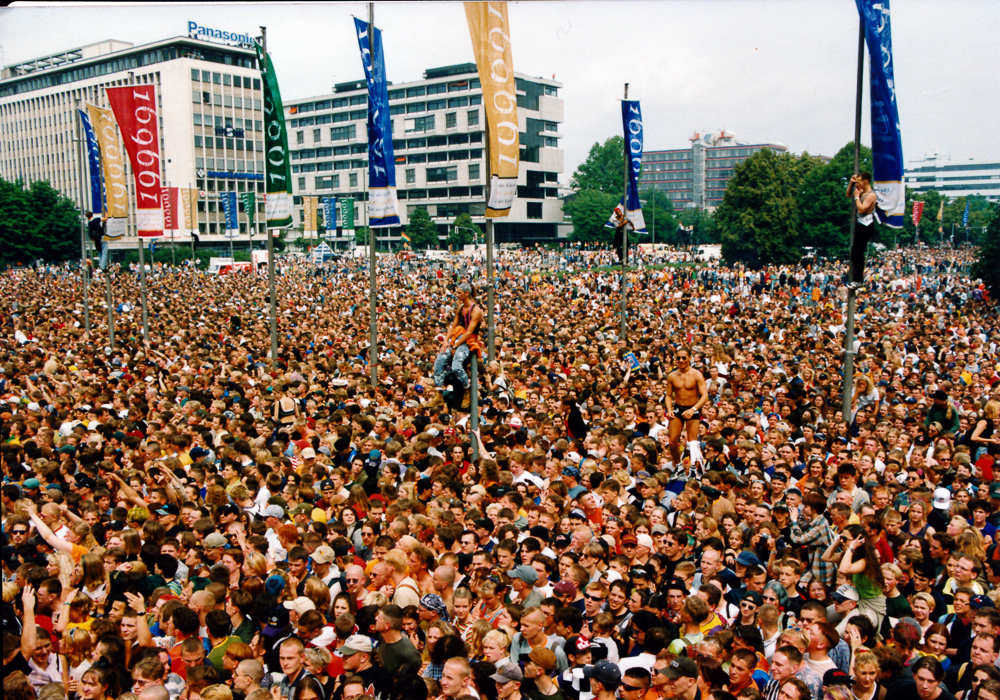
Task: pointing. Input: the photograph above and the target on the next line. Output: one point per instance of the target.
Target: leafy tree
(37, 222)
(604, 169)
(464, 232)
(422, 231)
(658, 213)
(758, 219)
(987, 265)
(589, 210)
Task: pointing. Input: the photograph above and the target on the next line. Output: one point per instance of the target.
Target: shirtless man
(686, 393)
(461, 339)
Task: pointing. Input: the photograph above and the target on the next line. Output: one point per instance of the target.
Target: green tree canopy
(758, 219)
(604, 169)
(422, 231)
(464, 232)
(37, 223)
(987, 265)
(589, 210)
(658, 213)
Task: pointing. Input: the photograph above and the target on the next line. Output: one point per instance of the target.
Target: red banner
(135, 111)
(171, 198)
(918, 211)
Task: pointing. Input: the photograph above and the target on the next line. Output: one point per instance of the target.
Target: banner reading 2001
(491, 44)
(278, 185)
(135, 111)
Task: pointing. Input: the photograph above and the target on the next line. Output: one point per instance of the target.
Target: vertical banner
(113, 165)
(632, 123)
(189, 202)
(347, 214)
(170, 196)
(249, 208)
(309, 215)
(135, 111)
(383, 208)
(330, 216)
(940, 216)
(93, 164)
(965, 216)
(918, 211)
(278, 178)
(490, 33)
(232, 218)
(887, 140)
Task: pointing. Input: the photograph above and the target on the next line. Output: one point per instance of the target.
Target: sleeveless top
(466, 318)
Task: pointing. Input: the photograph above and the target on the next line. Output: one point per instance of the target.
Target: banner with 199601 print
(93, 164)
(632, 123)
(113, 168)
(278, 179)
(887, 140)
(383, 207)
(135, 111)
(490, 32)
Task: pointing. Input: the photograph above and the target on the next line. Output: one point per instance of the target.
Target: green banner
(249, 206)
(278, 172)
(347, 213)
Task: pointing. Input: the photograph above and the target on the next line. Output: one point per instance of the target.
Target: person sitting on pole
(95, 231)
(622, 222)
(461, 339)
(865, 200)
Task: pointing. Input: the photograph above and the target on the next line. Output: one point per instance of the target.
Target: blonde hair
(77, 645)
(474, 638)
(65, 564)
(217, 692)
(257, 563)
(396, 558)
(10, 590)
(498, 637)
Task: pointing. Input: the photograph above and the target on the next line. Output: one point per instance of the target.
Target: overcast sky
(766, 70)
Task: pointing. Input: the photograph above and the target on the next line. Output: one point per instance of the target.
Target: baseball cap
(546, 658)
(942, 498)
(980, 601)
(836, 677)
(278, 617)
(644, 540)
(747, 559)
(681, 667)
(564, 588)
(629, 539)
(274, 511)
(507, 673)
(323, 554)
(166, 509)
(605, 673)
(215, 540)
(308, 453)
(300, 605)
(356, 644)
(846, 592)
(525, 573)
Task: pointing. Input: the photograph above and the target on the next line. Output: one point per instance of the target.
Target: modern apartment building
(954, 177)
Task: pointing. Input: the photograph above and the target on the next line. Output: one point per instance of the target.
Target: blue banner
(94, 160)
(965, 216)
(383, 209)
(887, 142)
(330, 216)
(632, 123)
(229, 207)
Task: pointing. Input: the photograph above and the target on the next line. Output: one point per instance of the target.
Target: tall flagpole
(851, 292)
(82, 153)
(270, 239)
(142, 264)
(372, 322)
(624, 327)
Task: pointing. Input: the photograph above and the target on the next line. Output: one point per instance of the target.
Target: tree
(37, 223)
(824, 210)
(589, 210)
(463, 232)
(658, 213)
(603, 170)
(987, 265)
(758, 219)
(422, 231)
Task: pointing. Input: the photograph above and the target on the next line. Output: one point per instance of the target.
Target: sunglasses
(596, 599)
(630, 688)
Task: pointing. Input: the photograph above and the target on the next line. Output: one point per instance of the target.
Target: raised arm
(144, 636)
(46, 532)
(29, 635)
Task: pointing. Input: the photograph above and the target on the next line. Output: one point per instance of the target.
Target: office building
(696, 177)
(954, 177)
(438, 133)
(210, 120)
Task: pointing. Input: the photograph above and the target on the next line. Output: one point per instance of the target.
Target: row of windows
(235, 165)
(650, 156)
(221, 142)
(216, 100)
(220, 122)
(412, 108)
(225, 79)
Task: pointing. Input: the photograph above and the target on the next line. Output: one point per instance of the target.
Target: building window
(473, 117)
(446, 174)
(342, 133)
(473, 171)
(316, 135)
(302, 184)
(411, 176)
(420, 124)
(217, 78)
(197, 142)
(451, 120)
(353, 180)
(534, 210)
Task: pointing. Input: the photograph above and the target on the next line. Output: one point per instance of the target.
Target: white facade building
(954, 178)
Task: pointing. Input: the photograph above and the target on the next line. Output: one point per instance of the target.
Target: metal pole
(373, 323)
(474, 402)
(194, 221)
(624, 328)
(142, 266)
(852, 293)
(84, 263)
(491, 351)
(270, 243)
(111, 308)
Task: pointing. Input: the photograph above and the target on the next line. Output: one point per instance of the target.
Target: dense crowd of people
(680, 512)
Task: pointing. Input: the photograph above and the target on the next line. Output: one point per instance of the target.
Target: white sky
(767, 70)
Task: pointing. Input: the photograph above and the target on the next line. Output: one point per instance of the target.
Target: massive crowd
(187, 519)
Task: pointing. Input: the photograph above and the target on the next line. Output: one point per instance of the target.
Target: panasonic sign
(208, 33)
